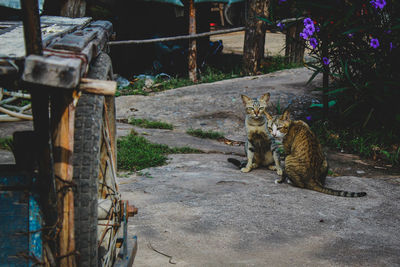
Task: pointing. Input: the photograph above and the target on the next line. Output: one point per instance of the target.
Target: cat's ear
(265, 97)
(269, 117)
(245, 99)
(286, 115)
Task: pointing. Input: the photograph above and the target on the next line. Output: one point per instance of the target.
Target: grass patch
(377, 145)
(272, 64)
(136, 153)
(222, 68)
(6, 143)
(205, 134)
(150, 124)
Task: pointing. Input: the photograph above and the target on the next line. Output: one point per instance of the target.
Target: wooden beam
(98, 86)
(52, 71)
(63, 118)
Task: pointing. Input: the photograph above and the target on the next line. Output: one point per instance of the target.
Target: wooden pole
(254, 38)
(73, 8)
(175, 38)
(192, 43)
(63, 117)
(294, 49)
(41, 124)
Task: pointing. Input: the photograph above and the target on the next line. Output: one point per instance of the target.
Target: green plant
(150, 124)
(375, 144)
(136, 153)
(355, 43)
(205, 134)
(6, 143)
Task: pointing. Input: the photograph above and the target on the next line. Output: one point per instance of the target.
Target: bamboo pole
(175, 38)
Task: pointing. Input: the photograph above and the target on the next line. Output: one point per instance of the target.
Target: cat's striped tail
(338, 193)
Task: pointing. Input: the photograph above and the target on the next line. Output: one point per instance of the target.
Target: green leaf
(313, 76)
(368, 117)
(266, 20)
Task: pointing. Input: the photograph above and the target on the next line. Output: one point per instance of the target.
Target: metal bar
(174, 38)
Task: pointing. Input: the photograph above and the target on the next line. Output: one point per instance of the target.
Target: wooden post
(63, 117)
(192, 43)
(294, 50)
(73, 8)
(41, 124)
(254, 39)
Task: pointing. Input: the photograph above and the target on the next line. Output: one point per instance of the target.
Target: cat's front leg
(250, 158)
(276, 154)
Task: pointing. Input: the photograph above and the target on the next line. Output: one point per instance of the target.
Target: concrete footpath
(199, 210)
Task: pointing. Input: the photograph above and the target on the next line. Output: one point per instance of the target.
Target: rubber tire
(86, 159)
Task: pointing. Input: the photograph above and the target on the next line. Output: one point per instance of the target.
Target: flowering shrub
(362, 54)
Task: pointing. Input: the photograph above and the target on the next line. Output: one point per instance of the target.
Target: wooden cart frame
(72, 150)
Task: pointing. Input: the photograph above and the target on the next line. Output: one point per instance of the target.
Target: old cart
(59, 204)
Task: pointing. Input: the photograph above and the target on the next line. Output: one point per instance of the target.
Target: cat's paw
(279, 181)
(254, 165)
(245, 169)
(272, 167)
(279, 171)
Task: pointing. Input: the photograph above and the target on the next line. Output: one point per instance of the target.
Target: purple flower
(309, 29)
(304, 35)
(313, 42)
(378, 4)
(374, 43)
(280, 25)
(281, 1)
(308, 21)
(326, 60)
(350, 35)
(391, 46)
(388, 31)
(308, 118)
(317, 29)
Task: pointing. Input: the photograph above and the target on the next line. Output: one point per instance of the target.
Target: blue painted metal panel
(20, 221)
(35, 225)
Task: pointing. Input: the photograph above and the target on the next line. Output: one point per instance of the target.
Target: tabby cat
(258, 144)
(305, 163)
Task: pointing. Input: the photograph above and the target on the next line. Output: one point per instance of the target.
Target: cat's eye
(250, 108)
(261, 108)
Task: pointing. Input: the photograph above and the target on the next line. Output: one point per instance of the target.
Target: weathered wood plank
(106, 25)
(12, 40)
(63, 118)
(98, 86)
(65, 20)
(76, 41)
(53, 71)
